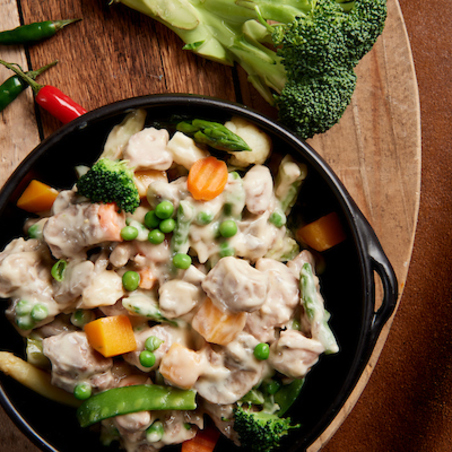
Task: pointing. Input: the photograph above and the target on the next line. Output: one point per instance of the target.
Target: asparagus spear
(185, 216)
(213, 134)
(315, 312)
(234, 197)
(145, 306)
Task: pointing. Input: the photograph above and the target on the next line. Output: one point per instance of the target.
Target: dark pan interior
(344, 281)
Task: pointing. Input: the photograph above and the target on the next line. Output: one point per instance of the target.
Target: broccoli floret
(260, 431)
(314, 48)
(110, 181)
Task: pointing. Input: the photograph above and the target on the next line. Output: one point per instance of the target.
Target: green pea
(164, 210)
(262, 351)
(278, 219)
(155, 432)
(167, 226)
(81, 317)
(204, 218)
(25, 322)
(271, 387)
(34, 231)
(156, 236)
(226, 250)
(153, 343)
(182, 261)
(23, 307)
(83, 391)
(130, 280)
(129, 233)
(151, 220)
(147, 358)
(58, 270)
(228, 228)
(39, 312)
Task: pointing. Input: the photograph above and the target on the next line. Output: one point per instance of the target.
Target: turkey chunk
(74, 360)
(147, 150)
(293, 354)
(235, 285)
(258, 185)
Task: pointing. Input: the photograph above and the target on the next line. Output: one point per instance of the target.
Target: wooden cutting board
(116, 53)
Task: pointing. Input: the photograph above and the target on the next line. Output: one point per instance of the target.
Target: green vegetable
(35, 354)
(81, 317)
(259, 431)
(153, 343)
(262, 351)
(144, 305)
(226, 249)
(83, 391)
(228, 228)
(37, 31)
(39, 312)
(204, 218)
(278, 218)
(25, 322)
(23, 307)
(164, 210)
(131, 399)
(185, 216)
(147, 358)
(287, 394)
(151, 220)
(129, 233)
(315, 312)
(156, 236)
(58, 270)
(310, 76)
(182, 261)
(155, 432)
(130, 280)
(234, 197)
(110, 181)
(167, 226)
(213, 134)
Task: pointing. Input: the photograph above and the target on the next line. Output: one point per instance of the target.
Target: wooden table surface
(406, 405)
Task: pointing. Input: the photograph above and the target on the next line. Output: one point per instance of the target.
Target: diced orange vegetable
(217, 326)
(181, 366)
(144, 178)
(37, 197)
(111, 336)
(323, 233)
(204, 441)
(147, 278)
(207, 178)
(111, 221)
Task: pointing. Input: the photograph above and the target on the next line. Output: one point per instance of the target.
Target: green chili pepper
(13, 86)
(34, 32)
(131, 399)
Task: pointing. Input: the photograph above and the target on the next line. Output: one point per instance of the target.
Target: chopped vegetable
(204, 441)
(37, 197)
(207, 178)
(182, 261)
(217, 326)
(37, 31)
(83, 391)
(164, 210)
(322, 234)
(111, 336)
(262, 351)
(213, 134)
(110, 181)
(49, 97)
(14, 85)
(156, 236)
(58, 270)
(131, 280)
(185, 216)
(132, 399)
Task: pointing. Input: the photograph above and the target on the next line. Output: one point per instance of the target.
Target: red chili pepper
(50, 98)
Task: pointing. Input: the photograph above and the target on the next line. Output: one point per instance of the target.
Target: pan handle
(381, 265)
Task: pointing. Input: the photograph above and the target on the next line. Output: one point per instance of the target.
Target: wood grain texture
(116, 53)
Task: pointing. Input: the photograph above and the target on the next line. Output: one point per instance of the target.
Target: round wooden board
(375, 149)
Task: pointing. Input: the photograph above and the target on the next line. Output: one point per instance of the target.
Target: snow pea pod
(37, 31)
(286, 396)
(13, 86)
(131, 399)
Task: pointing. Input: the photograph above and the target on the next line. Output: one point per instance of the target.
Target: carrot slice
(207, 178)
(111, 336)
(204, 441)
(323, 233)
(217, 326)
(111, 221)
(37, 197)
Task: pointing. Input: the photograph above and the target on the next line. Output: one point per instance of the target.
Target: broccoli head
(110, 181)
(260, 431)
(297, 53)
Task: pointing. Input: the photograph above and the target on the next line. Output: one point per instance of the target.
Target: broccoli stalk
(110, 181)
(308, 73)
